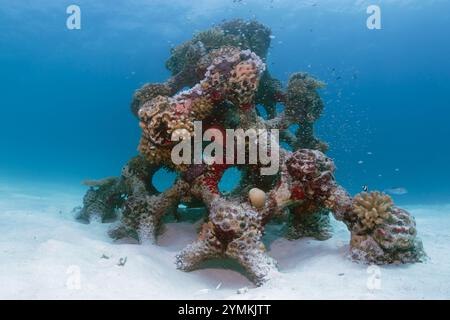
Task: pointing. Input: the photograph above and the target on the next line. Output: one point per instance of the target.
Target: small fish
(365, 188)
(397, 191)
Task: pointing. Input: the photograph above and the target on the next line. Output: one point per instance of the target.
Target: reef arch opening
(163, 179)
(230, 180)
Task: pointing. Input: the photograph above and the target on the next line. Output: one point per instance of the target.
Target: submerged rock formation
(225, 69)
(383, 233)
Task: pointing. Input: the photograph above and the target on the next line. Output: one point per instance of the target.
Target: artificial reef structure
(226, 77)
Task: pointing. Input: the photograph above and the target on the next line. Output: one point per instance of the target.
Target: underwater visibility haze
(77, 103)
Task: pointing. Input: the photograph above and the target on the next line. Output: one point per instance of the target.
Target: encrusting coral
(225, 71)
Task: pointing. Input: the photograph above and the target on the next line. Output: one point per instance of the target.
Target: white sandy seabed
(46, 254)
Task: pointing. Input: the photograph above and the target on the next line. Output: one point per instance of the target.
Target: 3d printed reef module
(224, 67)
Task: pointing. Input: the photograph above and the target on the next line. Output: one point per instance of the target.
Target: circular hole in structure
(261, 111)
(230, 180)
(163, 179)
(286, 146)
(293, 128)
(279, 108)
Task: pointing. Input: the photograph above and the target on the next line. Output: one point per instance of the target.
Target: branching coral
(227, 78)
(372, 208)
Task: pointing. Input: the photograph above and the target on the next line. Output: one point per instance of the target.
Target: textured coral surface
(225, 70)
(383, 233)
(372, 208)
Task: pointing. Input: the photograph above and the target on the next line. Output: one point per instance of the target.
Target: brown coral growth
(372, 208)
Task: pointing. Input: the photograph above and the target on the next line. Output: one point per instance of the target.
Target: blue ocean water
(65, 94)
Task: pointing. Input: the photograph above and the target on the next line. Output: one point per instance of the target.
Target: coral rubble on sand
(225, 71)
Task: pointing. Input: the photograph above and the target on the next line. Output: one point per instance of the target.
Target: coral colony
(225, 71)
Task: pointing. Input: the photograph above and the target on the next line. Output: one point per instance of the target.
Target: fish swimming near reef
(397, 191)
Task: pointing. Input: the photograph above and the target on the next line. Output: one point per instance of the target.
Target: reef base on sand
(44, 250)
(225, 71)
